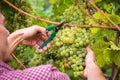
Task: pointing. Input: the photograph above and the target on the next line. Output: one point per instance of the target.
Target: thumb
(89, 51)
(88, 48)
(90, 54)
(40, 29)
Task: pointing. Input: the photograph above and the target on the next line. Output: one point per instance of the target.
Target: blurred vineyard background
(105, 42)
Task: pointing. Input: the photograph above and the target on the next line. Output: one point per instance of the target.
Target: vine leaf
(113, 47)
(115, 18)
(99, 16)
(114, 53)
(108, 7)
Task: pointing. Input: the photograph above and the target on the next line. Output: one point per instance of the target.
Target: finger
(36, 46)
(90, 58)
(26, 42)
(44, 38)
(41, 37)
(85, 72)
(39, 42)
(40, 29)
(40, 50)
(48, 33)
(45, 48)
(35, 39)
(48, 45)
(89, 51)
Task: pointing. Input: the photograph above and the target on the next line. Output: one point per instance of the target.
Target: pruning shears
(49, 28)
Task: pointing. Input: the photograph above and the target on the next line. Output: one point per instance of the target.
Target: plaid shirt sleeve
(43, 72)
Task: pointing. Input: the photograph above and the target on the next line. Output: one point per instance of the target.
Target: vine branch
(93, 4)
(113, 76)
(56, 23)
(18, 61)
(87, 14)
(114, 72)
(38, 18)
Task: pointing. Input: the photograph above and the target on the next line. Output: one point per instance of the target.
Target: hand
(89, 60)
(92, 71)
(35, 36)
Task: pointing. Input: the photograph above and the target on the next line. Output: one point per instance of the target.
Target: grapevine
(48, 21)
(68, 49)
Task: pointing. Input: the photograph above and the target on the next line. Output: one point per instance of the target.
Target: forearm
(94, 72)
(15, 39)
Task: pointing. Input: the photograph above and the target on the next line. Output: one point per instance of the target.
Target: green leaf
(115, 18)
(113, 46)
(114, 53)
(99, 16)
(102, 57)
(53, 1)
(108, 7)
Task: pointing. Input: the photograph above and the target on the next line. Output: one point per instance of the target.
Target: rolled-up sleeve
(43, 72)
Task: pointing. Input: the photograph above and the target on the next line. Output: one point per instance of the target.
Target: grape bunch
(74, 15)
(73, 41)
(70, 44)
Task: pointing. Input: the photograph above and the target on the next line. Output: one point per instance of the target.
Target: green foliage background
(105, 52)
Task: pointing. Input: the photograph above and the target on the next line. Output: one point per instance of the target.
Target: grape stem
(93, 4)
(56, 23)
(114, 72)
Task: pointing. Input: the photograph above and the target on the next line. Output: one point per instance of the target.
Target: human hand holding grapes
(92, 71)
(89, 60)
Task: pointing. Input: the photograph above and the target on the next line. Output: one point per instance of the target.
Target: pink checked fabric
(43, 72)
